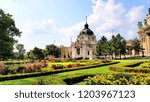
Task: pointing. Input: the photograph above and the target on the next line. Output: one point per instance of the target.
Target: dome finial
(86, 19)
(86, 25)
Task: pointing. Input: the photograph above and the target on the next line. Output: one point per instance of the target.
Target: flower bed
(21, 68)
(112, 79)
(146, 64)
(35, 74)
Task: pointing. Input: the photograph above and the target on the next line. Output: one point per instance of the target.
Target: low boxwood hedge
(76, 79)
(134, 64)
(130, 70)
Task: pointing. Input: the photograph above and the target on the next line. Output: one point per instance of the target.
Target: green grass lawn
(92, 71)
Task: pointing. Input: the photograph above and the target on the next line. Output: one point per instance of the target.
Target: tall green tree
(52, 50)
(37, 53)
(102, 48)
(136, 46)
(118, 45)
(8, 31)
(21, 51)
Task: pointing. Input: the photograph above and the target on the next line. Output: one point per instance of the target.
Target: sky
(59, 22)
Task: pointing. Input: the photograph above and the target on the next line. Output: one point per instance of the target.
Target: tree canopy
(102, 47)
(136, 45)
(116, 46)
(21, 51)
(8, 31)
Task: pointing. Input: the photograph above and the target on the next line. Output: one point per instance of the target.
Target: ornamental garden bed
(136, 67)
(36, 74)
(118, 79)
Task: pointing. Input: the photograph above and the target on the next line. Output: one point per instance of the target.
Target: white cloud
(134, 14)
(108, 16)
(70, 33)
(131, 18)
(38, 33)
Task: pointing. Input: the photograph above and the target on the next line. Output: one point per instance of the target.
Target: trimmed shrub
(76, 79)
(58, 66)
(133, 64)
(146, 64)
(52, 81)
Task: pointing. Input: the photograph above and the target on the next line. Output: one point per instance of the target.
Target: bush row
(133, 64)
(21, 68)
(60, 66)
(61, 81)
(129, 70)
(36, 74)
(118, 79)
(16, 62)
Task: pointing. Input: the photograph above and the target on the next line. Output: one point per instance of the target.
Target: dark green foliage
(37, 53)
(21, 51)
(8, 31)
(76, 79)
(102, 47)
(118, 45)
(136, 45)
(52, 50)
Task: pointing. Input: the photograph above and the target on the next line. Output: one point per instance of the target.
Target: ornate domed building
(144, 34)
(83, 47)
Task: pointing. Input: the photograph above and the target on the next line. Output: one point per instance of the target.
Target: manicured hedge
(134, 64)
(76, 79)
(27, 75)
(130, 70)
(60, 81)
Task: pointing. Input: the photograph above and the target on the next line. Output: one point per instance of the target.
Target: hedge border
(36, 74)
(133, 64)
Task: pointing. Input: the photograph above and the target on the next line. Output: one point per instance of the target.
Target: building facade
(83, 47)
(144, 34)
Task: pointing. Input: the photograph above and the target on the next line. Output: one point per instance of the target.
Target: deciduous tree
(8, 31)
